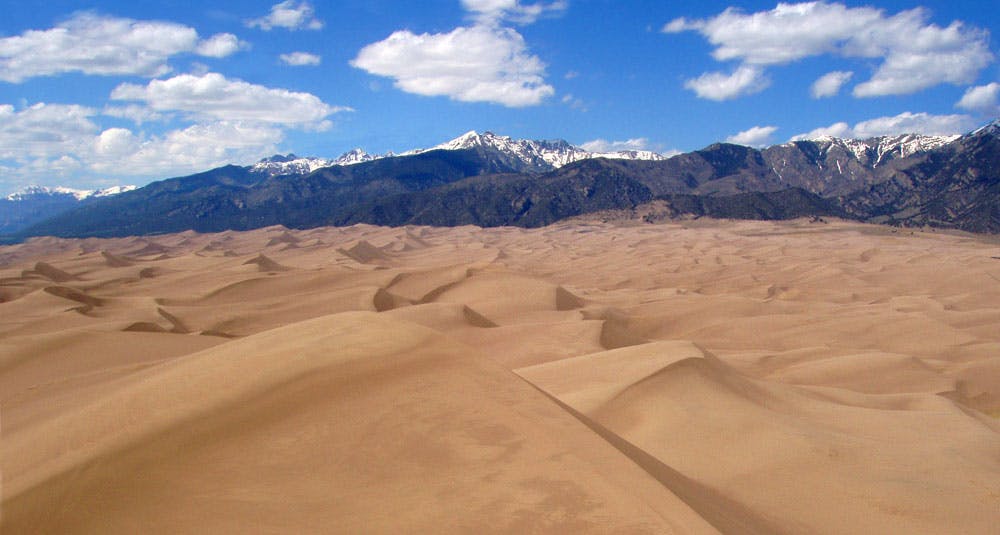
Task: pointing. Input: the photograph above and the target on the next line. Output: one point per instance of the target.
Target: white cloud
(94, 44)
(133, 112)
(290, 15)
(745, 80)
(839, 129)
(829, 84)
(787, 33)
(115, 143)
(756, 136)
(46, 142)
(904, 123)
(216, 97)
(119, 151)
(915, 54)
(298, 59)
(603, 145)
(220, 46)
(494, 11)
(471, 64)
(983, 99)
(45, 131)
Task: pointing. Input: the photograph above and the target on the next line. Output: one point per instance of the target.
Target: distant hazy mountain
(485, 179)
(36, 203)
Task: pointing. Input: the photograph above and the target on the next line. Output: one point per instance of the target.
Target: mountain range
(34, 204)
(488, 180)
(527, 155)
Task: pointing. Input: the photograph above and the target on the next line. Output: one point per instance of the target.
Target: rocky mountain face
(235, 197)
(954, 186)
(484, 179)
(831, 166)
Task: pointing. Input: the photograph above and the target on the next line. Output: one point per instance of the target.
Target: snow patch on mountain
(34, 192)
(543, 154)
(993, 128)
(873, 151)
(555, 153)
(290, 164)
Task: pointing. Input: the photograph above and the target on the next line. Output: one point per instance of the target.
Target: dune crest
(265, 264)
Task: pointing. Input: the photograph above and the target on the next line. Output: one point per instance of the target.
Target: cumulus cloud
(757, 136)
(472, 64)
(220, 46)
(484, 62)
(904, 123)
(915, 54)
(234, 122)
(290, 15)
(829, 84)
(119, 151)
(299, 59)
(745, 80)
(983, 99)
(494, 11)
(215, 97)
(136, 113)
(43, 142)
(44, 131)
(94, 44)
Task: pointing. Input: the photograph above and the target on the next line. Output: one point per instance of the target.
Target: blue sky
(112, 92)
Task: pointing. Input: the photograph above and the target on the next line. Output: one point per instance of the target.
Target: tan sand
(695, 377)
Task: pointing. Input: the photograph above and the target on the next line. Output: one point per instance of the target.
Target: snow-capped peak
(113, 190)
(993, 127)
(354, 156)
(291, 164)
(534, 154)
(555, 153)
(34, 191)
(468, 140)
(875, 150)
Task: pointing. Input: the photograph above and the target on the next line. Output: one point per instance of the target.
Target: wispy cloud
(299, 59)
(290, 15)
(496, 11)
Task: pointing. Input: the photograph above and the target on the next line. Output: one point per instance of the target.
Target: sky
(111, 92)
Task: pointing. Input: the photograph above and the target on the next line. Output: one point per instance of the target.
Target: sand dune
(702, 376)
(321, 424)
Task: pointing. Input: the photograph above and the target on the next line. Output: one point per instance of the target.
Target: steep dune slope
(328, 423)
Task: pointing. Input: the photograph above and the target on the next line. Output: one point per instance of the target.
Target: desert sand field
(685, 377)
